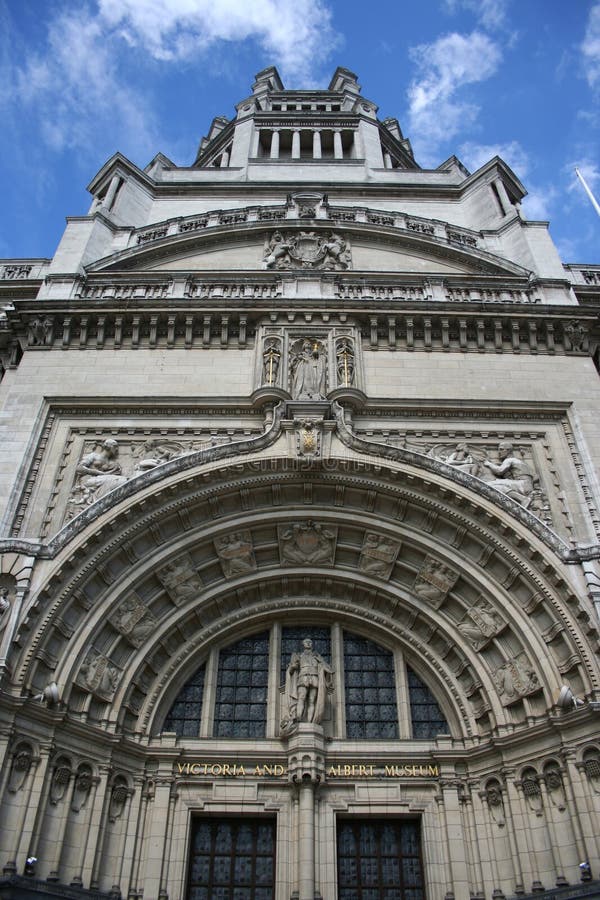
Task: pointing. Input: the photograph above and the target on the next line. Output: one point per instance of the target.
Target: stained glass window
(427, 718)
(184, 716)
(241, 701)
(232, 859)
(379, 860)
(371, 710)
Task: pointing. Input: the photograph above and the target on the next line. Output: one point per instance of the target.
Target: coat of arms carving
(307, 250)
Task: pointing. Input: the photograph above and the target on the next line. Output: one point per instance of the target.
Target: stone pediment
(359, 240)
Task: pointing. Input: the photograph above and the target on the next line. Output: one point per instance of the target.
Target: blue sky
(80, 80)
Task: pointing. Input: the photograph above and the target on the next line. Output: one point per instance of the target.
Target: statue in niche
(19, 770)
(99, 473)
(82, 788)
(271, 360)
(493, 797)
(344, 355)
(512, 475)
(308, 681)
(308, 372)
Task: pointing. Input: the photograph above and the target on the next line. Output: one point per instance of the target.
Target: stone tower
(299, 559)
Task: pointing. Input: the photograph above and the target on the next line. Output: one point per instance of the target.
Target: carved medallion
(307, 543)
(308, 437)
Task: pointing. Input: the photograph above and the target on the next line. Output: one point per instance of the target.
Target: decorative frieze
(153, 234)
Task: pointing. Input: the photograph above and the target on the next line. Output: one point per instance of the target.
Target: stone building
(301, 528)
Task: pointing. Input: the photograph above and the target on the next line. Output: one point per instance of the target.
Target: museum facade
(299, 562)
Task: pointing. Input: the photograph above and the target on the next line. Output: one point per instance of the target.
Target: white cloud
(590, 48)
(297, 34)
(538, 203)
(491, 14)
(77, 84)
(476, 155)
(444, 67)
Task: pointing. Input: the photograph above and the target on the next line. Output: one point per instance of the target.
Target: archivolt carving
(99, 675)
(236, 553)
(516, 678)
(378, 555)
(385, 506)
(434, 580)
(480, 624)
(133, 620)
(307, 543)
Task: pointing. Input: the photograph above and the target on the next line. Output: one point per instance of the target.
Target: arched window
(184, 716)
(241, 700)
(370, 689)
(426, 716)
(366, 682)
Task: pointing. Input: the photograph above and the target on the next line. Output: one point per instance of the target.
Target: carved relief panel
(308, 363)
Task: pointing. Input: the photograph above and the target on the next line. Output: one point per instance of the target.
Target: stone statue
(308, 372)
(335, 251)
(277, 251)
(513, 476)
(99, 472)
(462, 460)
(344, 354)
(308, 681)
(271, 359)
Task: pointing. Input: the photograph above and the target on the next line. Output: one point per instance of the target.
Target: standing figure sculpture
(308, 681)
(308, 373)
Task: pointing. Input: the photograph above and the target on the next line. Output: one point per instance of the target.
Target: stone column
(306, 770)
(316, 145)
(459, 884)
(224, 159)
(387, 160)
(157, 832)
(306, 839)
(338, 150)
(110, 194)
(296, 144)
(275, 145)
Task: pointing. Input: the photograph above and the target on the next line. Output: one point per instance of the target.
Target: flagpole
(587, 190)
